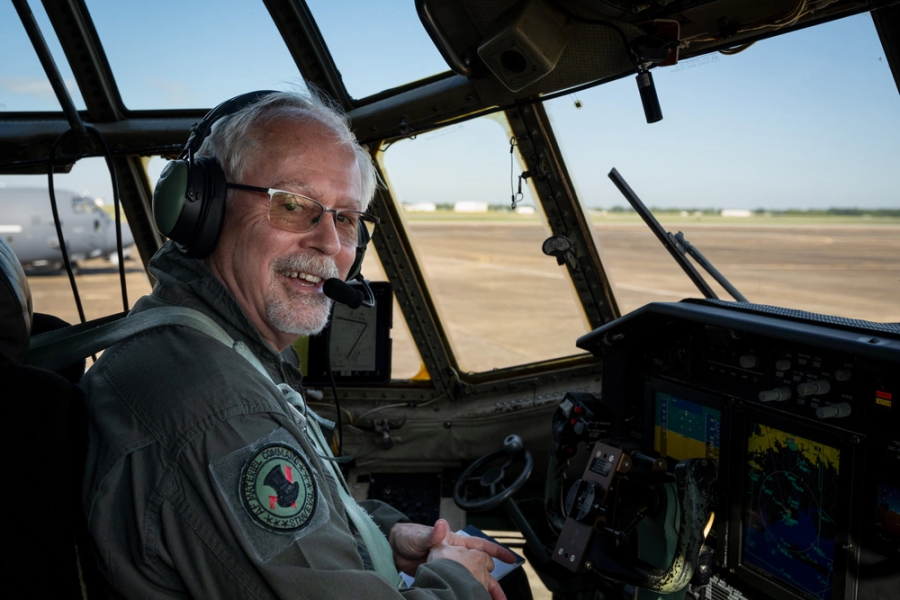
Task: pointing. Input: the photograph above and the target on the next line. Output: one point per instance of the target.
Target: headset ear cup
(189, 204)
(169, 196)
(189, 198)
(208, 182)
(361, 244)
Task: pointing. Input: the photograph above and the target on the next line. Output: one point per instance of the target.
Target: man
(202, 479)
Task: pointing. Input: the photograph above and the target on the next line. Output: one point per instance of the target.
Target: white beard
(300, 314)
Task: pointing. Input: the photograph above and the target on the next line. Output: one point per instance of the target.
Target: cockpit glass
(785, 180)
(24, 85)
(85, 203)
(401, 53)
(406, 362)
(191, 54)
(502, 302)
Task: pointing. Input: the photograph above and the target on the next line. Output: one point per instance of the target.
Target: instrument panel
(797, 410)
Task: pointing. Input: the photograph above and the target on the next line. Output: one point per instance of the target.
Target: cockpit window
(23, 83)
(191, 54)
(777, 163)
(406, 362)
(82, 195)
(502, 302)
(84, 205)
(402, 52)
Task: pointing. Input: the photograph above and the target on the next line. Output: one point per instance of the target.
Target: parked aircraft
(633, 434)
(26, 223)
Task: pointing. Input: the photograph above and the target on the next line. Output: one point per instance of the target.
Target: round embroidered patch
(277, 489)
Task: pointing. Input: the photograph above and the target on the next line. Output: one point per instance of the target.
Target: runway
(504, 302)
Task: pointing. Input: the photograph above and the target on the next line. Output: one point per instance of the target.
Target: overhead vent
(524, 44)
(520, 45)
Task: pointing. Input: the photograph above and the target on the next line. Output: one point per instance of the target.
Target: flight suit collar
(188, 282)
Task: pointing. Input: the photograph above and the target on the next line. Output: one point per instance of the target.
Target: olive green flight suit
(200, 480)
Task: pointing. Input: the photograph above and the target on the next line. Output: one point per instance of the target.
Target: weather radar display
(888, 512)
(790, 505)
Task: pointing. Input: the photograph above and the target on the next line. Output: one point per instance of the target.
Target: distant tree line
(843, 212)
(813, 212)
(491, 207)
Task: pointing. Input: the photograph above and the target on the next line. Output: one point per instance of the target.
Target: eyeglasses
(293, 212)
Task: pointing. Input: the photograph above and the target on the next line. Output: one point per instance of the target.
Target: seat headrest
(15, 307)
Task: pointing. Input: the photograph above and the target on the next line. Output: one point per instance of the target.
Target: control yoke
(627, 518)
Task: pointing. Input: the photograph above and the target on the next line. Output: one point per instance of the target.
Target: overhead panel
(23, 83)
(171, 54)
(554, 51)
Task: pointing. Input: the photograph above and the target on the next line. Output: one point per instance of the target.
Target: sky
(806, 120)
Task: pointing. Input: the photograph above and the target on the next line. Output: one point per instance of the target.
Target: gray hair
(233, 140)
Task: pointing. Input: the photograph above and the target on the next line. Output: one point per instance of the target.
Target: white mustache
(311, 263)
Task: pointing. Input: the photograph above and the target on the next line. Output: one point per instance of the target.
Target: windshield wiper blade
(677, 246)
(708, 267)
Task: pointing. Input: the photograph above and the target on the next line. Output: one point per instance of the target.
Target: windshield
(192, 69)
(402, 53)
(23, 83)
(778, 164)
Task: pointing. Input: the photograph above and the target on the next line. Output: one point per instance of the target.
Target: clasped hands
(415, 544)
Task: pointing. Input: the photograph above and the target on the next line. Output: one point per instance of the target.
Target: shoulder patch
(277, 488)
(273, 491)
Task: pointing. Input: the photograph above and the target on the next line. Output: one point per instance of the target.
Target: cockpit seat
(16, 311)
(44, 441)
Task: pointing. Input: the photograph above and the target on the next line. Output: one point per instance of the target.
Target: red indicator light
(578, 410)
(885, 395)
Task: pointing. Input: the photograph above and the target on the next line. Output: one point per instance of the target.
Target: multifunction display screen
(683, 429)
(790, 509)
(887, 515)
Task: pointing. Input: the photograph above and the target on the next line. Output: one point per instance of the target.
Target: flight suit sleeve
(384, 515)
(252, 513)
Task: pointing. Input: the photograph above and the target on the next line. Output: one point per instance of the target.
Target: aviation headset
(189, 198)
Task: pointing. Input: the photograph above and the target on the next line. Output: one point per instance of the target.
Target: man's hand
(415, 544)
(477, 562)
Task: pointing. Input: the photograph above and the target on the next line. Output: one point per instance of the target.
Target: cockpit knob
(834, 411)
(513, 445)
(782, 365)
(748, 361)
(811, 388)
(776, 395)
(842, 375)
